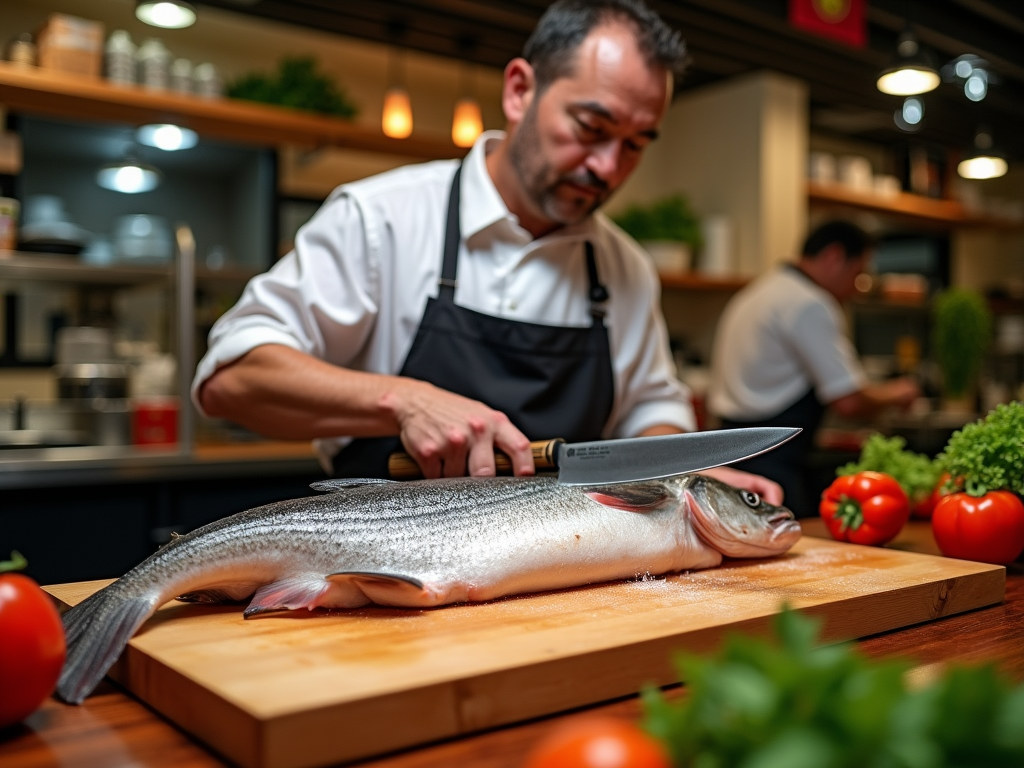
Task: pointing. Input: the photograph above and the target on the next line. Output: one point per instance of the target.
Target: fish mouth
(780, 518)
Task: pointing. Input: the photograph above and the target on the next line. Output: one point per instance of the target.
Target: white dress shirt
(779, 337)
(354, 289)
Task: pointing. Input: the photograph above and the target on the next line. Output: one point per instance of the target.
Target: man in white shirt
(449, 308)
(781, 355)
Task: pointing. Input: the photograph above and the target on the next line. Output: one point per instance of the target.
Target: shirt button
(512, 306)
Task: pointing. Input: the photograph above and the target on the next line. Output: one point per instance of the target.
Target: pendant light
(396, 120)
(912, 71)
(467, 122)
(166, 136)
(169, 14)
(128, 176)
(984, 162)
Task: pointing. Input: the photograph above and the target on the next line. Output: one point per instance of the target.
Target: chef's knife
(605, 462)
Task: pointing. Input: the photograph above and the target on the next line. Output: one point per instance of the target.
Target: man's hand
(447, 434)
(767, 489)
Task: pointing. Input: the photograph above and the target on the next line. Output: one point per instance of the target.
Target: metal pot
(88, 381)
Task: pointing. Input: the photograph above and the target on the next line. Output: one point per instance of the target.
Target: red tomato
(598, 742)
(989, 528)
(865, 508)
(923, 509)
(31, 647)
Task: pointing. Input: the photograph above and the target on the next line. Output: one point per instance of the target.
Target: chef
(781, 355)
(451, 308)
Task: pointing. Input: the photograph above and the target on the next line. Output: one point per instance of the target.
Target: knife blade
(607, 462)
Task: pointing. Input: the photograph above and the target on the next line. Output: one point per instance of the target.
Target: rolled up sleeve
(650, 393)
(321, 299)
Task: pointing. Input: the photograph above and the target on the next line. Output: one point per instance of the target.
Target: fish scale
(423, 544)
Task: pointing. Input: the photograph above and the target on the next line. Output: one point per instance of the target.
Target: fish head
(736, 522)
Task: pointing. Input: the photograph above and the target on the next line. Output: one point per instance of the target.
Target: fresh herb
(988, 455)
(296, 84)
(668, 219)
(915, 472)
(797, 704)
(960, 338)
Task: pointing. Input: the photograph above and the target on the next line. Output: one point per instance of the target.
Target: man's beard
(540, 182)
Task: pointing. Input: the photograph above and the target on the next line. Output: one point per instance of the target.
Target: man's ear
(518, 91)
(833, 254)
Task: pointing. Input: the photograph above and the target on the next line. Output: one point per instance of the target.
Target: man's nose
(603, 160)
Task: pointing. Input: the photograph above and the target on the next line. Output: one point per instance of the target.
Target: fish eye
(750, 498)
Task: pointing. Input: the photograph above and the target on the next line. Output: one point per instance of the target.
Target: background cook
(781, 355)
(456, 308)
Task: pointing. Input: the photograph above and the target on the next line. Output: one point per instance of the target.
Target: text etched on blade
(585, 452)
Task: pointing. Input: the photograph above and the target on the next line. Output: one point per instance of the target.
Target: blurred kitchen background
(147, 171)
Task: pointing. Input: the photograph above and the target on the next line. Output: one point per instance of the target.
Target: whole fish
(422, 544)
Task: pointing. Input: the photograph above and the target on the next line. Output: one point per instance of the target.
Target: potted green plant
(667, 229)
(960, 338)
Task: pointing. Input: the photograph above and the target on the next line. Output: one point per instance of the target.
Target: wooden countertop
(114, 730)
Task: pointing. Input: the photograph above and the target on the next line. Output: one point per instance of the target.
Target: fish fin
(381, 588)
(208, 596)
(344, 483)
(96, 631)
(288, 594)
(632, 497)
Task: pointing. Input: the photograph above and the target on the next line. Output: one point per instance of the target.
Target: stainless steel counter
(102, 465)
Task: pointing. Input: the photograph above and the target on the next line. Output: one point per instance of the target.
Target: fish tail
(96, 631)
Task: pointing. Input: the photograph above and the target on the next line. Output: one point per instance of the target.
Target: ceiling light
(911, 73)
(128, 176)
(397, 118)
(169, 14)
(976, 86)
(467, 124)
(167, 137)
(984, 162)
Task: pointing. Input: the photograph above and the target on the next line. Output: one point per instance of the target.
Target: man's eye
(587, 128)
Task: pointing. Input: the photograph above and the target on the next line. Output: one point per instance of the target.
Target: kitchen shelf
(15, 265)
(78, 97)
(916, 208)
(695, 281)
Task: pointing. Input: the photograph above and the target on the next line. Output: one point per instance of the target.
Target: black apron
(786, 464)
(550, 381)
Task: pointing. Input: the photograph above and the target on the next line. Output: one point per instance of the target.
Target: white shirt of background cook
(354, 289)
(779, 337)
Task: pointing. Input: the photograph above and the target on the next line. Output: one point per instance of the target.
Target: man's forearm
(282, 393)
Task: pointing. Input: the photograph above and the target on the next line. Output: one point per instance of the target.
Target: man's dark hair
(854, 240)
(551, 49)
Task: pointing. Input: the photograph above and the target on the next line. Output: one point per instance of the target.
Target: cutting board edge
(291, 743)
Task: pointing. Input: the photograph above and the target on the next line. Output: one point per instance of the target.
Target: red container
(155, 421)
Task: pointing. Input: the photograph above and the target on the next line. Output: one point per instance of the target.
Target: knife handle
(402, 466)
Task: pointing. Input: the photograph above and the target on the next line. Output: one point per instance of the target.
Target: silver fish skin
(423, 544)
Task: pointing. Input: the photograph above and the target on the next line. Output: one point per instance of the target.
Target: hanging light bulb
(397, 118)
(911, 73)
(166, 136)
(169, 14)
(128, 176)
(467, 124)
(984, 162)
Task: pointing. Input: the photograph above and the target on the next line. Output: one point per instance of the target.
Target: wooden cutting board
(310, 689)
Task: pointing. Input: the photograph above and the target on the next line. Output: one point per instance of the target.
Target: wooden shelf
(16, 265)
(695, 281)
(78, 97)
(922, 210)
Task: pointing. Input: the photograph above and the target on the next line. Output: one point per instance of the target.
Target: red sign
(841, 20)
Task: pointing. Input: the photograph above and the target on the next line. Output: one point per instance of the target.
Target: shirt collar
(481, 205)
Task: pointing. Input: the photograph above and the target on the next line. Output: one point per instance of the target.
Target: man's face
(847, 272)
(579, 140)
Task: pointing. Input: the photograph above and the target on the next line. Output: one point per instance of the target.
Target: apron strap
(452, 236)
(597, 293)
